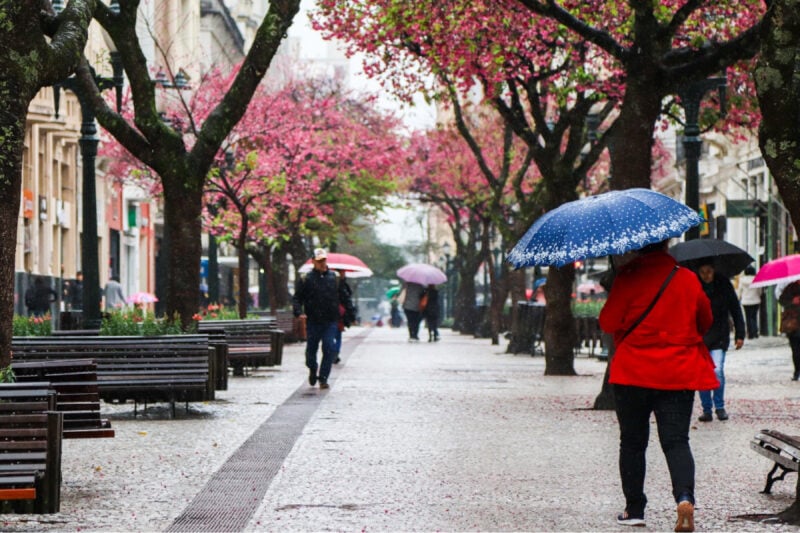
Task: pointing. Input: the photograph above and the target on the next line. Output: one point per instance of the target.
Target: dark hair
(750, 271)
(659, 246)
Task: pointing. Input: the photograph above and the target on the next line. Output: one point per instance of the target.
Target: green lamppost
(90, 261)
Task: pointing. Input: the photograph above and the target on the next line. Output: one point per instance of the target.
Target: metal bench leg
(772, 478)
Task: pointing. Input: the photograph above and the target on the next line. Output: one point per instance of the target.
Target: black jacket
(724, 304)
(319, 294)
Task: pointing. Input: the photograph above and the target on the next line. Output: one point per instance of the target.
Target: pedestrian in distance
(658, 313)
(750, 299)
(76, 292)
(342, 324)
(410, 300)
(431, 313)
(318, 296)
(789, 298)
(115, 298)
(39, 296)
(724, 308)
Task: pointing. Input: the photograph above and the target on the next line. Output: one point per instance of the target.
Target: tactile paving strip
(236, 490)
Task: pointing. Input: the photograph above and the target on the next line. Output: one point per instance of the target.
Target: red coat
(665, 351)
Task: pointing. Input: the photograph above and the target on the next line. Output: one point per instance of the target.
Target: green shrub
(34, 326)
(139, 322)
(587, 308)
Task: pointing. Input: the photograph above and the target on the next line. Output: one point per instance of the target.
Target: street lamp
(88, 144)
(691, 96)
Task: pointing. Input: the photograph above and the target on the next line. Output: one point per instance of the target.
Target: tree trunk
(605, 400)
(182, 225)
(12, 124)
(560, 334)
(243, 260)
(631, 144)
(779, 100)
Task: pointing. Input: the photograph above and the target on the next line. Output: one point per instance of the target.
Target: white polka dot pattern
(611, 223)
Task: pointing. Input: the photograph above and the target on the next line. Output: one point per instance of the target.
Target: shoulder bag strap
(653, 303)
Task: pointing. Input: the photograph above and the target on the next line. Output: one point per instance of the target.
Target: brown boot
(685, 516)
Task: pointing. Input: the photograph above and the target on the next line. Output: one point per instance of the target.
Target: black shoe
(721, 414)
(627, 520)
(705, 417)
(436, 338)
(312, 377)
(794, 378)
(323, 384)
(337, 360)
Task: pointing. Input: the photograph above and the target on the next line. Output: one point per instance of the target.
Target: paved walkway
(450, 436)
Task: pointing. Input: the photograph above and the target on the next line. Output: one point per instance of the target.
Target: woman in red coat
(657, 366)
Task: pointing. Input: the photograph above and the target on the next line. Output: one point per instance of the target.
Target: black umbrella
(729, 260)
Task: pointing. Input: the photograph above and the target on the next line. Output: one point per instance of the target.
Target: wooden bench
(783, 449)
(30, 449)
(141, 369)
(77, 394)
(251, 343)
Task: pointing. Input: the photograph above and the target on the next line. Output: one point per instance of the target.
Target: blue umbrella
(611, 223)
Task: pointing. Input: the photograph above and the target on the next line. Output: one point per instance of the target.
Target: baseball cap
(320, 254)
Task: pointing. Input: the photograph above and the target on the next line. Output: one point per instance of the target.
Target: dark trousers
(794, 342)
(413, 318)
(326, 334)
(751, 320)
(673, 410)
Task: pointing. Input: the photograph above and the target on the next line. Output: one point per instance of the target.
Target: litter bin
(71, 320)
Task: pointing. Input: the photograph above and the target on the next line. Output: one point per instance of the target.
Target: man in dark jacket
(318, 296)
(724, 304)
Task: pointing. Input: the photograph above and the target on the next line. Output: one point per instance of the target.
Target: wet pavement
(450, 436)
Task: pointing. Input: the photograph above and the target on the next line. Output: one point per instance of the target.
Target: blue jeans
(673, 410)
(719, 393)
(337, 341)
(325, 333)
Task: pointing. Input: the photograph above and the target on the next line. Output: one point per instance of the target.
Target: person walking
(413, 295)
(76, 292)
(657, 312)
(115, 298)
(431, 313)
(39, 296)
(318, 296)
(724, 307)
(342, 324)
(789, 298)
(750, 299)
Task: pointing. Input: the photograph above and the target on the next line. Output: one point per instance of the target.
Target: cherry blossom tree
(182, 168)
(312, 160)
(551, 74)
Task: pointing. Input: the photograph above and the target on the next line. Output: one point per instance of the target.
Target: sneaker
(627, 520)
(685, 516)
(312, 377)
(324, 384)
(721, 414)
(705, 417)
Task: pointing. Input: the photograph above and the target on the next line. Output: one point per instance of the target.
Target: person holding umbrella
(657, 312)
(411, 308)
(724, 307)
(319, 295)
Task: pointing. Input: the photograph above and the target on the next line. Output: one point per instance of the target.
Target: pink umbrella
(782, 270)
(355, 267)
(141, 298)
(422, 274)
